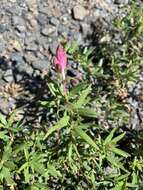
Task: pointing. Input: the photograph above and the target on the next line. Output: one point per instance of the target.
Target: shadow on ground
(34, 89)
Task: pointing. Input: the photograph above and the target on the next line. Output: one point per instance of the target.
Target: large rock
(79, 12)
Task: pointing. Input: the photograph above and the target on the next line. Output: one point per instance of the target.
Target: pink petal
(61, 56)
(57, 64)
(60, 61)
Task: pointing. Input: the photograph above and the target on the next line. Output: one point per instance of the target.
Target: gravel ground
(30, 31)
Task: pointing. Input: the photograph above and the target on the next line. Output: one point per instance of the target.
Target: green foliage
(85, 147)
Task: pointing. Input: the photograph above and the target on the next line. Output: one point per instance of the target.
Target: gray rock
(44, 9)
(42, 42)
(42, 65)
(50, 39)
(11, 103)
(2, 82)
(135, 123)
(31, 47)
(54, 21)
(79, 12)
(21, 35)
(109, 1)
(42, 19)
(23, 5)
(2, 47)
(3, 28)
(48, 30)
(4, 107)
(1, 74)
(123, 2)
(53, 46)
(62, 29)
(8, 76)
(46, 46)
(31, 38)
(32, 6)
(29, 57)
(14, 9)
(65, 19)
(16, 20)
(21, 28)
(85, 28)
(33, 24)
(17, 57)
(78, 36)
(25, 68)
(99, 14)
(20, 64)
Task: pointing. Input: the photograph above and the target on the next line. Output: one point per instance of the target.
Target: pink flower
(60, 61)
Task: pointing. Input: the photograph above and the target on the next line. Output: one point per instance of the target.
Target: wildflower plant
(60, 61)
(60, 64)
(84, 146)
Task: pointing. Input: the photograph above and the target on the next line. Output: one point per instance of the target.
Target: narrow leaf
(77, 89)
(85, 137)
(110, 136)
(87, 112)
(118, 138)
(52, 170)
(3, 119)
(7, 176)
(82, 97)
(41, 186)
(120, 152)
(60, 124)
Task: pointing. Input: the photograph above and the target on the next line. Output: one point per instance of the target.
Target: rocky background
(30, 31)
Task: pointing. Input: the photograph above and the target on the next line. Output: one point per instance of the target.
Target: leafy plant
(85, 145)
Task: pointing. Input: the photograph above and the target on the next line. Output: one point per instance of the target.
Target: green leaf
(38, 168)
(3, 119)
(52, 170)
(60, 124)
(87, 112)
(12, 117)
(120, 186)
(77, 89)
(27, 175)
(125, 176)
(118, 138)
(82, 98)
(85, 137)
(7, 153)
(133, 185)
(22, 146)
(120, 152)
(25, 165)
(41, 186)
(70, 152)
(115, 161)
(1, 187)
(109, 137)
(10, 165)
(53, 87)
(7, 176)
(26, 153)
(85, 126)
(3, 136)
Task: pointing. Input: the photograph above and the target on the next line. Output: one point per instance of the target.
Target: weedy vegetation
(87, 145)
